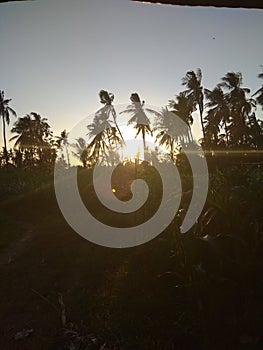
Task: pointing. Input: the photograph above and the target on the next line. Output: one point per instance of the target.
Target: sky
(57, 54)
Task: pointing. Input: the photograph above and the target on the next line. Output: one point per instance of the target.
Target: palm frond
(132, 120)
(259, 91)
(13, 138)
(130, 109)
(149, 110)
(12, 111)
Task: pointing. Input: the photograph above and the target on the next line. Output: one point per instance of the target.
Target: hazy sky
(57, 54)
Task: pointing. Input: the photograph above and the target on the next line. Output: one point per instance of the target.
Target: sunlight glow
(133, 149)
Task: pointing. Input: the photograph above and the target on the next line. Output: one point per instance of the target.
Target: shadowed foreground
(59, 291)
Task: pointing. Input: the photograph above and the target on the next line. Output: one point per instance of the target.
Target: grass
(10, 231)
(111, 291)
(146, 297)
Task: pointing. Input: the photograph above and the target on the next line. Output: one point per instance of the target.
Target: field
(202, 290)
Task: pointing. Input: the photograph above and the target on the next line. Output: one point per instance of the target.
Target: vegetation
(5, 112)
(200, 290)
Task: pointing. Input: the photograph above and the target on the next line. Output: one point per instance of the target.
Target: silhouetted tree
(108, 109)
(239, 106)
(34, 137)
(139, 118)
(99, 132)
(193, 82)
(62, 141)
(81, 151)
(255, 131)
(170, 133)
(17, 158)
(104, 135)
(5, 112)
(217, 114)
(183, 107)
(259, 92)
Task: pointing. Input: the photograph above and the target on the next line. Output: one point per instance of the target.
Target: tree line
(227, 116)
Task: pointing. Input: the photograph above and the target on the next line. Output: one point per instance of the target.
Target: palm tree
(259, 92)
(99, 131)
(33, 136)
(114, 137)
(5, 112)
(183, 107)
(81, 151)
(170, 133)
(62, 141)
(239, 106)
(139, 118)
(217, 114)
(24, 129)
(255, 131)
(194, 92)
(107, 98)
(212, 128)
(32, 130)
(104, 135)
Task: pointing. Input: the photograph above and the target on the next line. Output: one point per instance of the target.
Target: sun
(133, 148)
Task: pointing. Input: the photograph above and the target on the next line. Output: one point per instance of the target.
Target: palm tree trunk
(4, 137)
(31, 156)
(172, 149)
(144, 144)
(66, 146)
(202, 122)
(113, 112)
(226, 131)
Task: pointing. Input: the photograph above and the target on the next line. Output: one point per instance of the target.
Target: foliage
(198, 290)
(192, 81)
(5, 112)
(169, 133)
(33, 141)
(139, 118)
